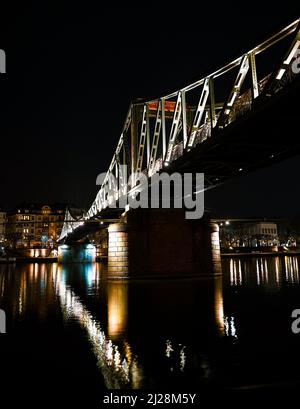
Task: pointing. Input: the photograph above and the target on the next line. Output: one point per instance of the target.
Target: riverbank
(16, 260)
(262, 254)
(5, 260)
(9, 260)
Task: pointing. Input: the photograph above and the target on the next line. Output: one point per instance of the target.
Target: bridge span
(230, 122)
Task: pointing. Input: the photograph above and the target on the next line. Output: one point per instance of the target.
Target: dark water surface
(72, 333)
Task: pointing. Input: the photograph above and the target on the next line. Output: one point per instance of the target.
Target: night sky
(72, 72)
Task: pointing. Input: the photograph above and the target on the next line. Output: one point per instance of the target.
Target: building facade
(248, 234)
(263, 229)
(32, 225)
(2, 226)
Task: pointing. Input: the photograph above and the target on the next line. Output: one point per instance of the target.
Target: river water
(72, 332)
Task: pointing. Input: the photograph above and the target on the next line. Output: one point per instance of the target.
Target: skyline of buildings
(38, 225)
(32, 225)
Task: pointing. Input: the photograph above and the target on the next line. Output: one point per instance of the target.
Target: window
(46, 210)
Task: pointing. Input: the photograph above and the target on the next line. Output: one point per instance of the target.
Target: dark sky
(72, 72)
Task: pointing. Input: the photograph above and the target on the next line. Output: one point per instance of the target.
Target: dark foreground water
(72, 333)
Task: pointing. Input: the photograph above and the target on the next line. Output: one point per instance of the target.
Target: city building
(2, 226)
(33, 225)
(262, 228)
(248, 233)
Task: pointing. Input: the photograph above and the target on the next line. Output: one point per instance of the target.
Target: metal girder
(143, 134)
(184, 124)
(255, 88)
(289, 55)
(120, 144)
(128, 120)
(199, 113)
(163, 127)
(148, 135)
(234, 93)
(133, 138)
(155, 139)
(213, 118)
(174, 128)
(278, 74)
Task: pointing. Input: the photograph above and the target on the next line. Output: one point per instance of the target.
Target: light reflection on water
(118, 366)
(268, 270)
(161, 333)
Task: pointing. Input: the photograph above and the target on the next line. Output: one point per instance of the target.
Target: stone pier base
(77, 253)
(162, 243)
(118, 250)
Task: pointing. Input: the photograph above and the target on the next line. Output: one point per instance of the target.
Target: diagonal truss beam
(174, 128)
(199, 114)
(156, 136)
(143, 133)
(235, 91)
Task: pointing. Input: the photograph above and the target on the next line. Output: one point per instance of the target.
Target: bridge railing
(244, 102)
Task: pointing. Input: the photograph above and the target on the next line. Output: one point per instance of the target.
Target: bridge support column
(76, 253)
(162, 243)
(118, 250)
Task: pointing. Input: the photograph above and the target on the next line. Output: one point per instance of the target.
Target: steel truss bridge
(238, 118)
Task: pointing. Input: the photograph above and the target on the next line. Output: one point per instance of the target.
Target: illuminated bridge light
(280, 73)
